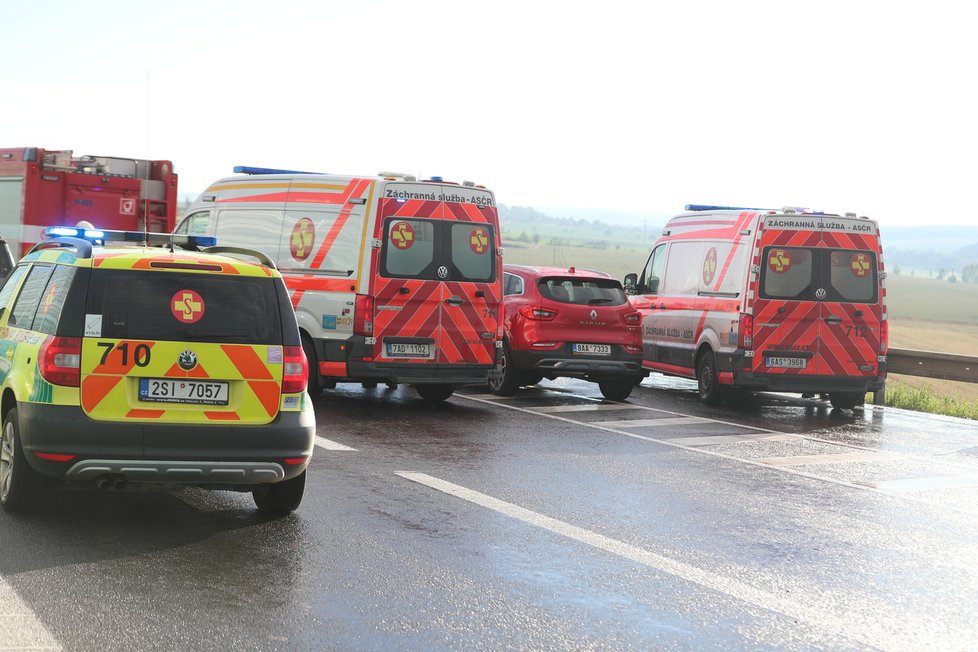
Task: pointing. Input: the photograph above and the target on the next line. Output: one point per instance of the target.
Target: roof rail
(708, 207)
(246, 169)
(84, 247)
(259, 256)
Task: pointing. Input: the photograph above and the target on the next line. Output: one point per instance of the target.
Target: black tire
(280, 498)
(370, 384)
(532, 379)
(315, 385)
(508, 381)
(846, 400)
(434, 393)
(21, 487)
(708, 379)
(616, 390)
(391, 385)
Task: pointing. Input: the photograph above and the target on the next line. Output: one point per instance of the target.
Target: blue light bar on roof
(245, 169)
(708, 207)
(98, 236)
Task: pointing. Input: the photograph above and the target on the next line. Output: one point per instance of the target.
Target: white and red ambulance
(393, 280)
(777, 300)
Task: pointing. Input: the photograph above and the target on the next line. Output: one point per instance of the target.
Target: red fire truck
(41, 188)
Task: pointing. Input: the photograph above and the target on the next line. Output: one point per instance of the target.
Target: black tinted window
(583, 291)
(795, 273)
(176, 307)
(440, 250)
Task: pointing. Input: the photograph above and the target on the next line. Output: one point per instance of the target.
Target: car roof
(573, 272)
(150, 258)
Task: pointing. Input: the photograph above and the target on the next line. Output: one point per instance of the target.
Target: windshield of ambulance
(797, 273)
(439, 250)
(176, 306)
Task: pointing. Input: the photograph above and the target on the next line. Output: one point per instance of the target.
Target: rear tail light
(363, 315)
(745, 331)
(631, 348)
(59, 361)
(884, 337)
(55, 457)
(295, 370)
(295, 461)
(633, 318)
(538, 314)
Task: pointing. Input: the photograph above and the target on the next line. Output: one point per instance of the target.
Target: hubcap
(6, 459)
(498, 382)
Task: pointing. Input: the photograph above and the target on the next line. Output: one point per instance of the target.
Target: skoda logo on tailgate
(187, 360)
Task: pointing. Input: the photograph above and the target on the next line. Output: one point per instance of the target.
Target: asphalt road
(553, 520)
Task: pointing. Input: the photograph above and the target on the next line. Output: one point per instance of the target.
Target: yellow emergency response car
(140, 366)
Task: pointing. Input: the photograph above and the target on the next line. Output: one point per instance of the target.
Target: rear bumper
(563, 363)
(781, 382)
(182, 453)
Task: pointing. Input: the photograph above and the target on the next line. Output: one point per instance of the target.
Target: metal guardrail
(930, 364)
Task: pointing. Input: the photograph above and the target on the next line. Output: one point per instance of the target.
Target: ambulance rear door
(437, 281)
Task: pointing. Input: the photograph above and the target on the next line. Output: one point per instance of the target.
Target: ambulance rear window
(797, 273)
(175, 306)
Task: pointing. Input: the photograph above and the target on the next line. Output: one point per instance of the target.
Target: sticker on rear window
(303, 235)
(402, 235)
(479, 240)
(709, 266)
(93, 325)
(187, 306)
(860, 265)
(779, 262)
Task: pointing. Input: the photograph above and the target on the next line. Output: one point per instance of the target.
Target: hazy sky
(632, 106)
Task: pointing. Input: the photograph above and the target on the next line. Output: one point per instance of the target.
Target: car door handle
(833, 319)
(454, 301)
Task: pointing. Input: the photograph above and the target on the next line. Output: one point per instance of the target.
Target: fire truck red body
(41, 188)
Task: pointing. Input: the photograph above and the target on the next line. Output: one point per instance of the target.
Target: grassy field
(925, 314)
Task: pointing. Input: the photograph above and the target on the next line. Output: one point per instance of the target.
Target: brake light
(884, 336)
(59, 361)
(295, 370)
(363, 315)
(538, 314)
(745, 331)
(632, 318)
(294, 461)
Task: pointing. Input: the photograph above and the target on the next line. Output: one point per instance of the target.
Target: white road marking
(642, 423)
(594, 407)
(331, 445)
(707, 440)
(824, 458)
(926, 484)
(742, 460)
(881, 636)
(20, 628)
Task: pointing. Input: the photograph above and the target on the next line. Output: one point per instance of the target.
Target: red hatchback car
(568, 322)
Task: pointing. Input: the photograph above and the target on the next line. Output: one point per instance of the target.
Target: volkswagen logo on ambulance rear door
(442, 272)
(820, 293)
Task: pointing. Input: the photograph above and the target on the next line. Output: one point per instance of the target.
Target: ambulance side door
(646, 301)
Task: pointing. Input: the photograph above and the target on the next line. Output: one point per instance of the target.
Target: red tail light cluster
(538, 314)
(295, 370)
(59, 361)
(745, 331)
(632, 318)
(363, 315)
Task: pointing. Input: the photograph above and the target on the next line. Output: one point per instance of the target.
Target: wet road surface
(552, 520)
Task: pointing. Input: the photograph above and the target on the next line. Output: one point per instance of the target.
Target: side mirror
(631, 280)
